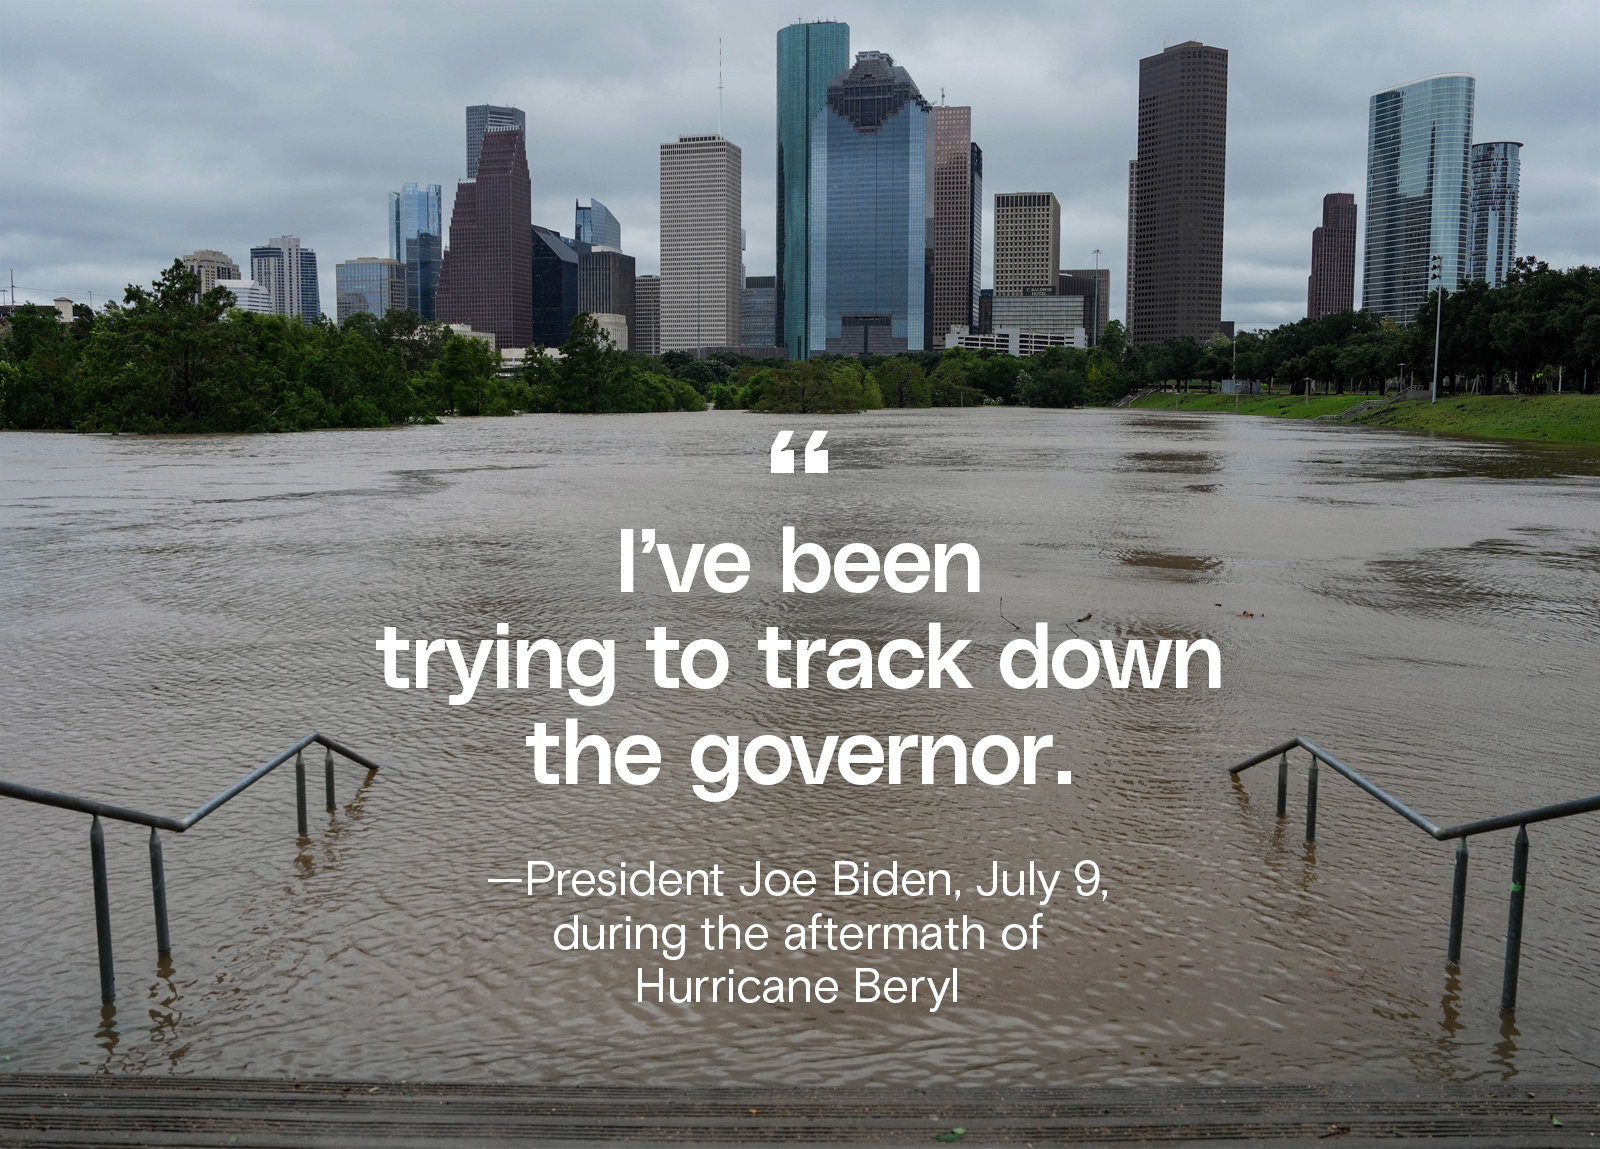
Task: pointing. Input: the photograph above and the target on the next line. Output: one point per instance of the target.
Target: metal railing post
(300, 789)
(1519, 882)
(158, 890)
(1458, 905)
(327, 777)
(1311, 802)
(102, 911)
(1283, 784)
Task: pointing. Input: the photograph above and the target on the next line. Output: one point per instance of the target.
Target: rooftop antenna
(719, 85)
(941, 97)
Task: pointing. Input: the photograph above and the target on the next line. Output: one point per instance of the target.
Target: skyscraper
(1331, 286)
(210, 266)
(1027, 243)
(486, 277)
(415, 231)
(872, 172)
(605, 285)
(596, 226)
(957, 221)
(554, 287)
(288, 273)
(1175, 207)
(1492, 214)
(700, 243)
(369, 284)
(1418, 138)
(756, 311)
(483, 118)
(645, 334)
(1093, 285)
(809, 57)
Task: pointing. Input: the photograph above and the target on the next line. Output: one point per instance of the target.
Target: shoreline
(1568, 418)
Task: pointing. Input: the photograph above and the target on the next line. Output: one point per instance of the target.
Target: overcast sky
(131, 133)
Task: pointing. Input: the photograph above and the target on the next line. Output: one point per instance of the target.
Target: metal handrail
(158, 883)
(178, 825)
(1519, 867)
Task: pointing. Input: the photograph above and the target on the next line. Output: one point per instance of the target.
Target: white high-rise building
(701, 225)
(210, 265)
(288, 272)
(248, 295)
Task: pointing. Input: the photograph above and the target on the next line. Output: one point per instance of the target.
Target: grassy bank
(1553, 418)
(1279, 406)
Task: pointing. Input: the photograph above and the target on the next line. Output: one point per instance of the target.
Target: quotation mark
(783, 454)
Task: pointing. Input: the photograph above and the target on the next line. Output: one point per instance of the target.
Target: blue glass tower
(809, 57)
(1419, 135)
(1492, 218)
(415, 232)
(596, 226)
(871, 221)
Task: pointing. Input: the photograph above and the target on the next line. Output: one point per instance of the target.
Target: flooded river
(176, 610)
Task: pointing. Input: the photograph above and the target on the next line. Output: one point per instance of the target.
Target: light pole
(1437, 273)
(699, 352)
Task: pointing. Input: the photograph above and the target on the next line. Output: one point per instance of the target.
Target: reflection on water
(179, 608)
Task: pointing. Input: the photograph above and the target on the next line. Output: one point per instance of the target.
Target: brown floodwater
(175, 610)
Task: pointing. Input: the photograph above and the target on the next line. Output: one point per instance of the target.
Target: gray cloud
(131, 133)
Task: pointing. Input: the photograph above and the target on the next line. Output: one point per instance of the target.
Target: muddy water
(175, 610)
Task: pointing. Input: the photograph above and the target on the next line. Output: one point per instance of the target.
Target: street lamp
(1437, 274)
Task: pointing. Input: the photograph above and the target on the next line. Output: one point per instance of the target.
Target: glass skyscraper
(1492, 213)
(871, 219)
(483, 118)
(596, 226)
(1418, 139)
(415, 230)
(809, 57)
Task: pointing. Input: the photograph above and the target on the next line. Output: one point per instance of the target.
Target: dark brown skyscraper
(486, 279)
(957, 221)
(1331, 287)
(1175, 210)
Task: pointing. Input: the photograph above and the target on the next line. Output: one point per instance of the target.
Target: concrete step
(99, 1110)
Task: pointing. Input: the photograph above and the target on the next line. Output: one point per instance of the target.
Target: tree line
(171, 359)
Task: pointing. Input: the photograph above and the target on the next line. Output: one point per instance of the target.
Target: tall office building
(1176, 200)
(1418, 139)
(645, 334)
(288, 273)
(1133, 229)
(554, 287)
(415, 239)
(957, 221)
(809, 57)
(1093, 286)
(701, 231)
(596, 226)
(758, 311)
(1027, 243)
(486, 277)
(605, 286)
(210, 266)
(1492, 214)
(872, 170)
(482, 118)
(1331, 286)
(369, 284)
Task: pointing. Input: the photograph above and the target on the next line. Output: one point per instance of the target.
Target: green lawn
(1555, 418)
(1281, 406)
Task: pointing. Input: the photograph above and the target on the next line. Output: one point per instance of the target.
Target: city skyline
(1294, 130)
